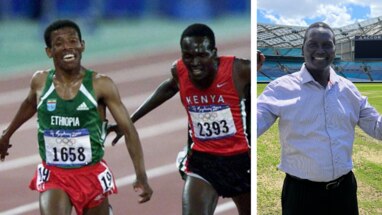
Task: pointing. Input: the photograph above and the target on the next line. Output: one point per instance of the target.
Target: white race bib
(212, 121)
(42, 175)
(106, 180)
(67, 147)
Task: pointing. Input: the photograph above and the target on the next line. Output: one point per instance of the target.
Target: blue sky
(337, 13)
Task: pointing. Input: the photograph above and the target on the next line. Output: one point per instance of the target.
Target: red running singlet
(216, 115)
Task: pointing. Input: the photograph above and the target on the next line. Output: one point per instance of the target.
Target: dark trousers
(304, 197)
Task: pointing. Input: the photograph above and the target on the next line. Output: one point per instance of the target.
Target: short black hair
(199, 30)
(319, 25)
(58, 24)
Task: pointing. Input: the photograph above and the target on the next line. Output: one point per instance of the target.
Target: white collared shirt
(316, 124)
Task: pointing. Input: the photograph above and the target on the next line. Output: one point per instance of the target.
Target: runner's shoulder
(39, 77)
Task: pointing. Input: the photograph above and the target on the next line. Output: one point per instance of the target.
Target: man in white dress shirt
(318, 111)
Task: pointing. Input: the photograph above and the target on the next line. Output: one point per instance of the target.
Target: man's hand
(260, 59)
(4, 146)
(146, 191)
(114, 128)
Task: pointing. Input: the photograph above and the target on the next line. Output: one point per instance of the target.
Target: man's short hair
(58, 25)
(199, 30)
(319, 25)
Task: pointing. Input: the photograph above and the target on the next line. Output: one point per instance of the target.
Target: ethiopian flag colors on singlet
(71, 133)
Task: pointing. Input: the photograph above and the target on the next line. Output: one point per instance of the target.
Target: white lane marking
(119, 76)
(21, 209)
(121, 182)
(225, 207)
(145, 132)
(129, 101)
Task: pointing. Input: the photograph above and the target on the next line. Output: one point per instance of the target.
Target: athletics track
(162, 132)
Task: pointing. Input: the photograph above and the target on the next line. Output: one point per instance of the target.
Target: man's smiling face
(319, 49)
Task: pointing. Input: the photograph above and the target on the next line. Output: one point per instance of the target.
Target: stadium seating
(282, 61)
(281, 45)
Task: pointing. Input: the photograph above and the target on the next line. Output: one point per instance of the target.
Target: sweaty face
(66, 48)
(319, 49)
(199, 57)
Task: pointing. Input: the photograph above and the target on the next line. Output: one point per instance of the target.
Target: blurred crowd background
(114, 9)
(110, 27)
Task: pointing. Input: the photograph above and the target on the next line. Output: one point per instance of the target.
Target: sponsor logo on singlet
(82, 107)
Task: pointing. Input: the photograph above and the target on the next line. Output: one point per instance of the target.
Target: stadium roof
(269, 35)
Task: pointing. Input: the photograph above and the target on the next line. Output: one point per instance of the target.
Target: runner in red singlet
(213, 90)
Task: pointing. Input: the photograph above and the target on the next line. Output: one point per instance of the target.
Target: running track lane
(162, 133)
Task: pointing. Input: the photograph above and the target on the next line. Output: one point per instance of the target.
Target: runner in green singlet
(71, 104)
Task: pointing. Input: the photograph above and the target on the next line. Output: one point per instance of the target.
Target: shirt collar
(307, 77)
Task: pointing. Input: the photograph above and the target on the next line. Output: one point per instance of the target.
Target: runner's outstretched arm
(26, 110)
(108, 92)
(164, 92)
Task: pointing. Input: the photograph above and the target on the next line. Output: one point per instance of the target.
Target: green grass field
(367, 158)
